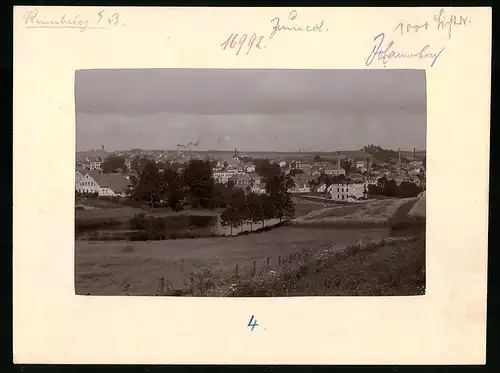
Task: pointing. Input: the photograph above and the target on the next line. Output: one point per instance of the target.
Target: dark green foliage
(93, 224)
(199, 183)
(389, 188)
(231, 218)
(149, 187)
(138, 163)
(113, 164)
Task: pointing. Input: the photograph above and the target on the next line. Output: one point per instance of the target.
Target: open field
(108, 267)
(136, 268)
(376, 212)
(381, 208)
(418, 210)
(304, 207)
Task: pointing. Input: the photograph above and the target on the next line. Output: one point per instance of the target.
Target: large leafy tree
(410, 189)
(199, 182)
(284, 207)
(231, 218)
(138, 163)
(266, 169)
(382, 181)
(346, 164)
(172, 188)
(149, 187)
(113, 163)
(268, 208)
(251, 209)
(279, 184)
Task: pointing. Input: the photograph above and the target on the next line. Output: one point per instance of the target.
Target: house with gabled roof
(259, 188)
(112, 184)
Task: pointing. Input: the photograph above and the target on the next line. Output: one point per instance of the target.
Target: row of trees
(253, 208)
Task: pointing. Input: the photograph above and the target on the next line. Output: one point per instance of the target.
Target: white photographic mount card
(447, 325)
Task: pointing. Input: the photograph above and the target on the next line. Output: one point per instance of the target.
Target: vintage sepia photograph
(250, 182)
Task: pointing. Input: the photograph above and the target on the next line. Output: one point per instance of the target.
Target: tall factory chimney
(400, 165)
(338, 159)
(102, 147)
(367, 165)
(414, 157)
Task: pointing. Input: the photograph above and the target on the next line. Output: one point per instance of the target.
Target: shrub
(138, 221)
(93, 224)
(139, 236)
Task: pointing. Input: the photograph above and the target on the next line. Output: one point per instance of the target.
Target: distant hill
(304, 156)
(392, 155)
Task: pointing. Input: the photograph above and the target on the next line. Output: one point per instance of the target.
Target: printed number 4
(254, 324)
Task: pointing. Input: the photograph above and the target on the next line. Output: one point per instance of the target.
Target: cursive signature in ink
(35, 19)
(277, 26)
(440, 21)
(387, 53)
(239, 40)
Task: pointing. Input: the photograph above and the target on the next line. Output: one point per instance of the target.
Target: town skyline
(194, 150)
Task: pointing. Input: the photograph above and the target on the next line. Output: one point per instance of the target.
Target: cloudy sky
(280, 110)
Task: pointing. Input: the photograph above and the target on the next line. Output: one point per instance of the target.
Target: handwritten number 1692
(238, 40)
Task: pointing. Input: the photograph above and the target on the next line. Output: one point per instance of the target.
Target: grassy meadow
(210, 266)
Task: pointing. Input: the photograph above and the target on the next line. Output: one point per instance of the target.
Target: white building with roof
(334, 171)
(112, 184)
(347, 192)
(258, 188)
(224, 176)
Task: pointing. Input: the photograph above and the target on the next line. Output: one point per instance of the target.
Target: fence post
(267, 265)
(162, 285)
(254, 267)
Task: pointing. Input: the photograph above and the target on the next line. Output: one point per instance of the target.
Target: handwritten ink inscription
(252, 324)
(237, 41)
(385, 53)
(440, 22)
(103, 20)
(278, 26)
